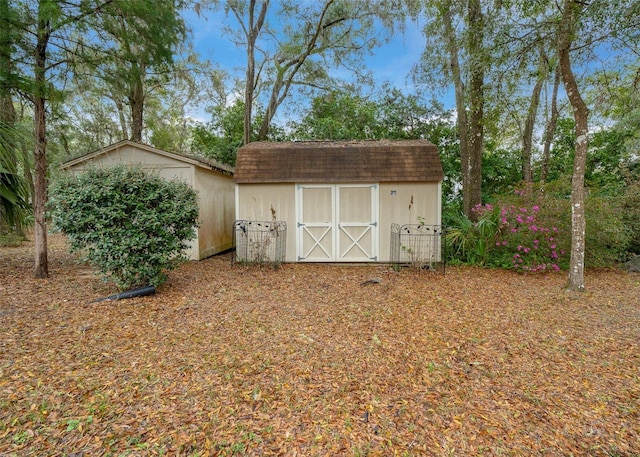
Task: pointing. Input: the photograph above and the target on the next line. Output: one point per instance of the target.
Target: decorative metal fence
(419, 246)
(259, 242)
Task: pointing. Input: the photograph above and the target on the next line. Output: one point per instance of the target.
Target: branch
(82, 15)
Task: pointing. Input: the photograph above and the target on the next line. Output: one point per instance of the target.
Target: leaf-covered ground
(307, 360)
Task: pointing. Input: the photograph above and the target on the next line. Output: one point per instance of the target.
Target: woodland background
(317, 359)
(546, 97)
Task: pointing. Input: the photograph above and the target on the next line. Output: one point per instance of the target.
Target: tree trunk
(580, 113)
(476, 100)
(7, 86)
(551, 127)
(274, 101)
(121, 117)
(40, 118)
(288, 69)
(252, 32)
(248, 95)
(461, 110)
(532, 113)
(136, 103)
(7, 110)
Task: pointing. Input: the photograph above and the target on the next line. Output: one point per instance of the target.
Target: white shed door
(337, 222)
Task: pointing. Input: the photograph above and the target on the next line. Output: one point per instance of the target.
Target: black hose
(139, 292)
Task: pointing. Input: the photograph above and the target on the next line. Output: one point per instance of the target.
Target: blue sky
(391, 62)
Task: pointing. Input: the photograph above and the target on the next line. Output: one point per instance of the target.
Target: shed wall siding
(256, 201)
(404, 203)
(217, 212)
(401, 203)
(130, 155)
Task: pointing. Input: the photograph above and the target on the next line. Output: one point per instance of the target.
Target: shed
(339, 199)
(212, 181)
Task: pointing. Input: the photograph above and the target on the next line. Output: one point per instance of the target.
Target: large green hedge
(131, 225)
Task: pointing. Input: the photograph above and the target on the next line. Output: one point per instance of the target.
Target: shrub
(607, 236)
(130, 225)
(526, 243)
(631, 216)
(507, 236)
(525, 231)
(535, 228)
(471, 242)
(530, 229)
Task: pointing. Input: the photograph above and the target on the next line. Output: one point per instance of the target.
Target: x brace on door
(356, 242)
(316, 241)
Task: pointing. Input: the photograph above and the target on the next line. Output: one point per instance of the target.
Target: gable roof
(338, 161)
(202, 162)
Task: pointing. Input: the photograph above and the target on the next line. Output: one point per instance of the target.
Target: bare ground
(307, 360)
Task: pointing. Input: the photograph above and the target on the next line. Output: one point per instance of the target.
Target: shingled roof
(338, 161)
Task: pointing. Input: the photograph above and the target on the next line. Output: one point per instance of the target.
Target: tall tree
(615, 97)
(478, 62)
(524, 60)
(48, 17)
(14, 190)
(255, 21)
(550, 127)
(462, 26)
(612, 23)
(567, 29)
(89, 120)
(51, 21)
(532, 113)
(311, 37)
(386, 114)
(141, 39)
(92, 118)
(221, 137)
(7, 70)
(340, 115)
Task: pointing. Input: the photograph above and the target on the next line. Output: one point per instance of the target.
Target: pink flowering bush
(527, 243)
(526, 231)
(606, 237)
(508, 236)
(535, 233)
(530, 231)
